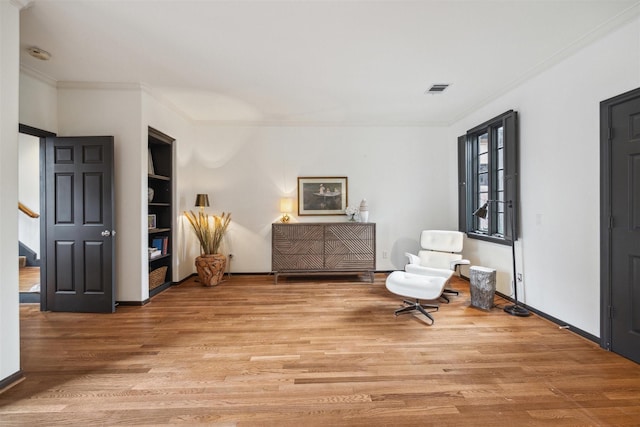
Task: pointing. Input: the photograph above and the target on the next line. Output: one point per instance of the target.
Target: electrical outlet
(385, 255)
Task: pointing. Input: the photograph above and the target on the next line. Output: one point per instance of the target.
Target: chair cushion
(438, 259)
(415, 286)
(442, 240)
(429, 271)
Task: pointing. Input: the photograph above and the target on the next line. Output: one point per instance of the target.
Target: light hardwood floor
(311, 352)
(29, 276)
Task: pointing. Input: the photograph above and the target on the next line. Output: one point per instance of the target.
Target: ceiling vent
(437, 88)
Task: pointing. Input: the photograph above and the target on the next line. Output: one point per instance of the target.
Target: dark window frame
(468, 181)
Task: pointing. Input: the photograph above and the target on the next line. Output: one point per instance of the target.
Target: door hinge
(610, 133)
(610, 222)
(610, 312)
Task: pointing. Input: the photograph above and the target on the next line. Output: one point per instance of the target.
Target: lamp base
(516, 310)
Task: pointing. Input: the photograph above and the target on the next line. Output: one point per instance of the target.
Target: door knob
(106, 233)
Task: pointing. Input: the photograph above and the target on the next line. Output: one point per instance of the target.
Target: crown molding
(22, 4)
(100, 86)
(595, 34)
(106, 86)
(321, 124)
(167, 103)
(38, 75)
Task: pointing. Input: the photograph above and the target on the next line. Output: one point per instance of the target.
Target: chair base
(516, 310)
(449, 292)
(416, 306)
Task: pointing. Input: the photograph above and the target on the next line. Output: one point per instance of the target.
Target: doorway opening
(31, 256)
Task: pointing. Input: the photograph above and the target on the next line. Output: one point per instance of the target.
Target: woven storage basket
(157, 276)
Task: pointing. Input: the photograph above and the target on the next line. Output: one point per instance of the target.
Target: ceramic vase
(364, 211)
(211, 269)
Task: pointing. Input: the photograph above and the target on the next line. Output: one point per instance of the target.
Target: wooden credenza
(306, 248)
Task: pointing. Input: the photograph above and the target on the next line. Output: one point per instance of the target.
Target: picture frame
(153, 221)
(322, 195)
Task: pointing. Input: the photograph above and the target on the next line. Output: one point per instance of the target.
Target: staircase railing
(27, 211)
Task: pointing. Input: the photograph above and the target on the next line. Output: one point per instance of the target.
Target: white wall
(94, 110)
(29, 190)
(9, 70)
(403, 172)
(246, 170)
(38, 102)
(558, 252)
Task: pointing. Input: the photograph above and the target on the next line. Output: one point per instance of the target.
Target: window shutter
(511, 184)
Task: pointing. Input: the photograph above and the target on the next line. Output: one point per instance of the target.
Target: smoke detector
(38, 53)
(437, 88)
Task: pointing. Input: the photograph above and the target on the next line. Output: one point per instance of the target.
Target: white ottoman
(416, 287)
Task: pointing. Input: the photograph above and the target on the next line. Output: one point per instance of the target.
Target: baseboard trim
(561, 324)
(29, 298)
(179, 282)
(11, 381)
(132, 303)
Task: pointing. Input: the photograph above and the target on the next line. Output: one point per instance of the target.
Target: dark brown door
(79, 236)
(622, 248)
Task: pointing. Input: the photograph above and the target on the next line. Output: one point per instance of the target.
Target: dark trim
(133, 303)
(26, 251)
(42, 134)
(467, 155)
(496, 119)
(44, 302)
(230, 273)
(463, 195)
(560, 323)
(28, 130)
(155, 291)
(179, 282)
(605, 213)
(11, 380)
(487, 238)
(29, 297)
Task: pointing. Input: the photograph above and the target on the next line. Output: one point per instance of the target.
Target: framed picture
(322, 195)
(152, 221)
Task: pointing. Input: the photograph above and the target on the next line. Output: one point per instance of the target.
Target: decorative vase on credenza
(364, 211)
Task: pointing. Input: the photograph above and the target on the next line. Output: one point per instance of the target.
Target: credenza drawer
(323, 247)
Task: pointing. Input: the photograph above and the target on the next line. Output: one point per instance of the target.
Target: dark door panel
(621, 254)
(79, 233)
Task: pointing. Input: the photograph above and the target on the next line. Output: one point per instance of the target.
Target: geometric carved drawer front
(323, 248)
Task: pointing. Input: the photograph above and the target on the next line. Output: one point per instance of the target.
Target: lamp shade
(481, 212)
(202, 200)
(286, 205)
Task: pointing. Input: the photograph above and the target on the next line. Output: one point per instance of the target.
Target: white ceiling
(339, 62)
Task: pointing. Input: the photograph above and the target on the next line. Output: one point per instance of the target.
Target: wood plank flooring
(29, 276)
(311, 352)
